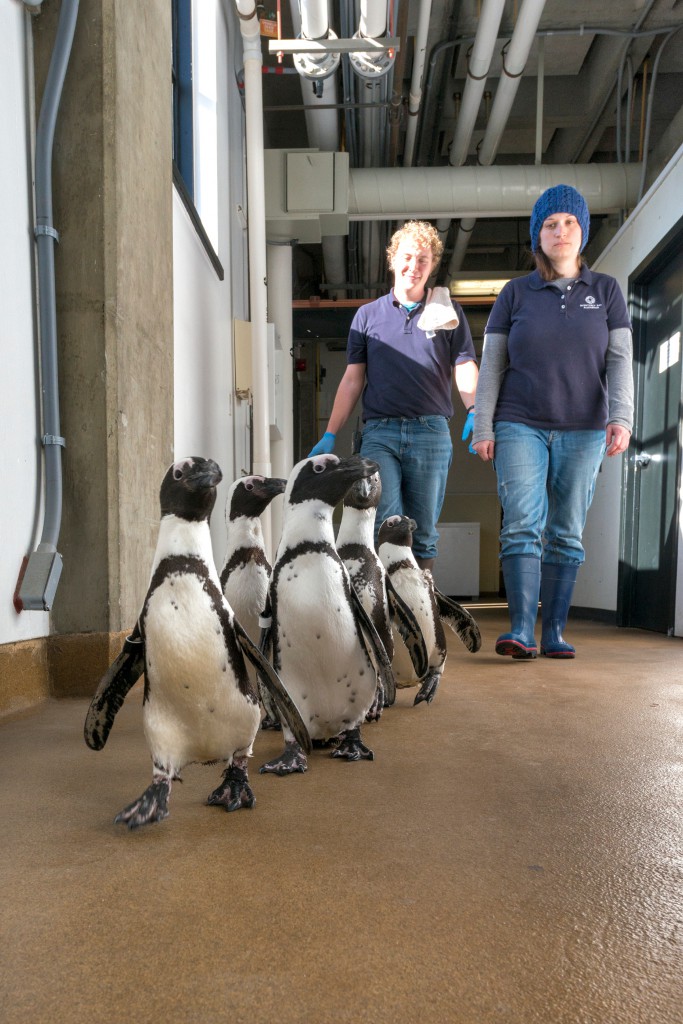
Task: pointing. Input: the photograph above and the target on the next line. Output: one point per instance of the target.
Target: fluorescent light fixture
(479, 286)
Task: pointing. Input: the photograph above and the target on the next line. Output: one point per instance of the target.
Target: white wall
(20, 448)
(653, 218)
(208, 419)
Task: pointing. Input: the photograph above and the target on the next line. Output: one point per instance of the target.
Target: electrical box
(310, 182)
(307, 194)
(456, 570)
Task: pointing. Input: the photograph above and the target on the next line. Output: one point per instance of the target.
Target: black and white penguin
(325, 647)
(356, 547)
(246, 568)
(431, 608)
(199, 704)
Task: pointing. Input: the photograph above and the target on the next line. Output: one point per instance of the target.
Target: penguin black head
(397, 530)
(250, 495)
(364, 493)
(326, 478)
(189, 488)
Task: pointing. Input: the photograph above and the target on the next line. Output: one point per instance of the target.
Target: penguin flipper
(286, 708)
(409, 630)
(376, 649)
(271, 720)
(121, 675)
(460, 621)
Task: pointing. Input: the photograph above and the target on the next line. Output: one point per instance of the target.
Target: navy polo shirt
(557, 346)
(407, 373)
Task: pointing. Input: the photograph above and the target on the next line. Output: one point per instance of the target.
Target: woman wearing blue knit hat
(555, 394)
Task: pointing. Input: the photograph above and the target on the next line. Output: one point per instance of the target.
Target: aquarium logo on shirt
(591, 303)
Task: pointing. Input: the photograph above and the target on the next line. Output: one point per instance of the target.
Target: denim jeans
(414, 457)
(546, 482)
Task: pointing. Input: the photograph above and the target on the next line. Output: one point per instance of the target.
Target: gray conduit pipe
(45, 563)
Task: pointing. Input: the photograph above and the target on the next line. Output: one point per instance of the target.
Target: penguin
(199, 705)
(325, 647)
(246, 569)
(431, 608)
(356, 547)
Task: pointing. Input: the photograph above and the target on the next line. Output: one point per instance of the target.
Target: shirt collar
(536, 281)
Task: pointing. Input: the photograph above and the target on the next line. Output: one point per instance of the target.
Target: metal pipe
(415, 95)
(256, 215)
(45, 563)
(540, 83)
(514, 61)
(478, 67)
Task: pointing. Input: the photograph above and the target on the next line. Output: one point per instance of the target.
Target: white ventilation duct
(396, 193)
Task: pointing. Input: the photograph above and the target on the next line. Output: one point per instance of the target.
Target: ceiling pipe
(44, 566)
(515, 56)
(395, 193)
(415, 96)
(256, 217)
(372, 71)
(478, 67)
(322, 122)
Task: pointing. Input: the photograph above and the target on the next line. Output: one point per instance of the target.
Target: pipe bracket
(46, 229)
(53, 439)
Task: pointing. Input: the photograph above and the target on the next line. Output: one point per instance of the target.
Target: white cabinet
(456, 570)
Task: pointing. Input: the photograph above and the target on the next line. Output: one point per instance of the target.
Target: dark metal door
(648, 577)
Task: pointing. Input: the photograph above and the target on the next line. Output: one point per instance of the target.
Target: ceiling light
(460, 286)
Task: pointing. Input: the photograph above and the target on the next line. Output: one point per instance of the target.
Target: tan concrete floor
(512, 855)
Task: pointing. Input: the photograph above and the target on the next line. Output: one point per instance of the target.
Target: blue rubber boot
(522, 575)
(557, 587)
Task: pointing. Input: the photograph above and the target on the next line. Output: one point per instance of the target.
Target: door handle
(642, 460)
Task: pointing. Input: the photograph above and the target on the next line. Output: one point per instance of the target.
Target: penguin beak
(206, 474)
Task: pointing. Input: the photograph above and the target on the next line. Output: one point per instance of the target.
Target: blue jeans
(414, 457)
(546, 482)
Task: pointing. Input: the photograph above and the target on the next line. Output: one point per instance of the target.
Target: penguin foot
(234, 792)
(269, 722)
(152, 806)
(374, 712)
(352, 748)
(428, 689)
(292, 759)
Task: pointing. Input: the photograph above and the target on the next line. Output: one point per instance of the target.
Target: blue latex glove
(467, 430)
(324, 446)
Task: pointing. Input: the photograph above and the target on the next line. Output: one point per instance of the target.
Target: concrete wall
(653, 218)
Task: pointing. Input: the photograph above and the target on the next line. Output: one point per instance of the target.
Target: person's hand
(617, 438)
(468, 428)
(324, 446)
(485, 450)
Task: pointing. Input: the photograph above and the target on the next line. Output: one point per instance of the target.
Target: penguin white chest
(195, 709)
(320, 655)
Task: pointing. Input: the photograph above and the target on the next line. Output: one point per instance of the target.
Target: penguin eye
(177, 474)
(318, 467)
(249, 486)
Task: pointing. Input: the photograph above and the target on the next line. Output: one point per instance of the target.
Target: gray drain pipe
(45, 563)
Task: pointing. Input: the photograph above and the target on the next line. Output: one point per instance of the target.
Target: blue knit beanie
(559, 199)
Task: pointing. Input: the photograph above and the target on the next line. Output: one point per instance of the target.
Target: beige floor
(512, 855)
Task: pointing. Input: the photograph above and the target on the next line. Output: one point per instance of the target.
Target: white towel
(438, 314)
